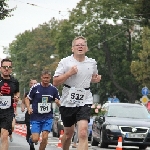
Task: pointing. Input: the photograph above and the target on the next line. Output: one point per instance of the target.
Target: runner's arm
(27, 103)
(58, 80)
(23, 104)
(16, 97)
(57, 102)
(96, 78)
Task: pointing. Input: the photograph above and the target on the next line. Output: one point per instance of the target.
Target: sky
(26, 16)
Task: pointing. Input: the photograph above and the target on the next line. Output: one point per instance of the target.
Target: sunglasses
(6, 67)
(80, 45)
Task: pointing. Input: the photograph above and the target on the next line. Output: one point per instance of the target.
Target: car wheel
(102, 144)
(142, 147)
(94, 142)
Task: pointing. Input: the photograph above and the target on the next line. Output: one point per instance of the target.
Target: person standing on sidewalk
(9, 93)
(76, 72)
(42, 96)
(27, 115)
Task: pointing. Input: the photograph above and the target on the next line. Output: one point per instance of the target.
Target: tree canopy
(143, 11)
(140, 67)
(114, 41)
(4, 10)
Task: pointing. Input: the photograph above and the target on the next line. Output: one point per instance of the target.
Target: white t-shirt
(82, 79)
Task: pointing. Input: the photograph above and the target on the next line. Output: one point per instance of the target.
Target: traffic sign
(145, 91)
(144, 99)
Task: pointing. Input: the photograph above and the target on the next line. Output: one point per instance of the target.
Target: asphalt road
(19, 143)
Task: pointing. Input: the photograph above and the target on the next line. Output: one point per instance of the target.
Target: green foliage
(143, 11)
(114, 57)
(30, 53)
(140, 68)
(4, 10)
(114, 46)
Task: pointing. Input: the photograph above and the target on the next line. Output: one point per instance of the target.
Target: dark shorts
(6, 121)
(70, 115)
(27, 117)
(14, 115)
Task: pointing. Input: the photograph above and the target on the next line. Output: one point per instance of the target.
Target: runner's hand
(1, 94)
(16, 98)
(30, 111)
(57, 102)
(96, 78)
(73, 70)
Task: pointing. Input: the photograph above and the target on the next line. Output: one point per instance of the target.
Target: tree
(143, 11)
(4, 10)
(140, 68)
(117, 42)
(30, 53)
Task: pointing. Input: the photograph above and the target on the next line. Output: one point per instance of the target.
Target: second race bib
(77, 96)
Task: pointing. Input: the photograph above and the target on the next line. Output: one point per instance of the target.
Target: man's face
(45, 78)
(79, 47)
(32, 82)
(6, 68)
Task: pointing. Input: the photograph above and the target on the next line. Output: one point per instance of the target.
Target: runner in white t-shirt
(76, 72)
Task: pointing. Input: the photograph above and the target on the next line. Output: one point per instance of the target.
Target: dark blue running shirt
(42, 99)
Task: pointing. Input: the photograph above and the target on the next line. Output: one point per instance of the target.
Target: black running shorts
(6, 121)
(71, 115)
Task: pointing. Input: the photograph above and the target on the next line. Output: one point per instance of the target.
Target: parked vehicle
(57, 126)
(126, 120)
(90, 129)
(20, 116)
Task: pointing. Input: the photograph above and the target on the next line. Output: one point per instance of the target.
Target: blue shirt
(42, 95)
(115, 100)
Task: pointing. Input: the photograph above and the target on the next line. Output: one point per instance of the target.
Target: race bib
(77, 96)
(44, 108)
(5, 102)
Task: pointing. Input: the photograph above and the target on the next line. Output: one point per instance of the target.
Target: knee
(83, 134)
(68, 136)
(4, 137)
(35, 139)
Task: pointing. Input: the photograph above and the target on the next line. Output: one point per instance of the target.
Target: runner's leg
(4, 139)
(44, 140)
(66, 138)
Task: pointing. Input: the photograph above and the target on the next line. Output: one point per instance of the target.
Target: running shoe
(32, 147)
(10, 138)
(30, 141)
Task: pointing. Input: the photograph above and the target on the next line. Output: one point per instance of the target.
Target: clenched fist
(73, 70)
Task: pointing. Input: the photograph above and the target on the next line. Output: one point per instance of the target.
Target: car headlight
(112, 127)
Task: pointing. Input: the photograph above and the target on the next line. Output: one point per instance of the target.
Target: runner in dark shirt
(42, 96)
(9, 93)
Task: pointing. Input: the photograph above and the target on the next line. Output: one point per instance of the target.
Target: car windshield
(128, 112)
